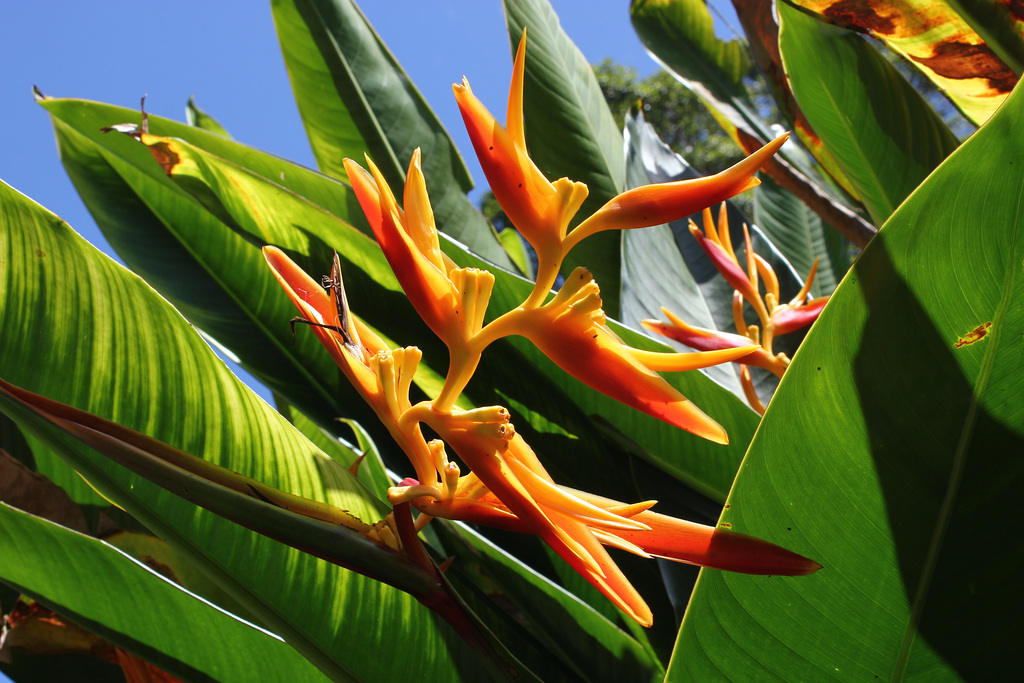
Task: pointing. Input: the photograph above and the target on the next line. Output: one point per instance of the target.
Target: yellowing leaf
(938, 41)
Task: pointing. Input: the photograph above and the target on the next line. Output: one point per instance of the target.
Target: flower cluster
(776, 318)
(507, 485)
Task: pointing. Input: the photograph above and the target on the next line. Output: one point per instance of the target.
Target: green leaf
(213, 270)
(573, 634)
(515, 245)
(800, 236)
(89, 118)
(355, 98)
(681, 35)
(570, 130)
(112, 347)
(370, 471)
(200, 119)
(89, 583)
(881, 132)
(891, 455)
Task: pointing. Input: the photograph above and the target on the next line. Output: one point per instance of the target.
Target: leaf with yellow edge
(968, 65)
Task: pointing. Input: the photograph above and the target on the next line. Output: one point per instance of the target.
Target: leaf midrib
(959, 462)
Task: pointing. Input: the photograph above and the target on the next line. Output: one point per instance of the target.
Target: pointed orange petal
(682, 362)
(596, 357)
(665, 202)
(428, 288)
(316, 305)
(539, 209)
(419, 217)
(514, 116)
(684, 541)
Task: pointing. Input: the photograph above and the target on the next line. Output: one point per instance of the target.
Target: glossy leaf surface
(892, 455)
(103, 590)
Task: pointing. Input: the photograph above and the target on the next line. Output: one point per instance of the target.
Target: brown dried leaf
(34, 629)
(30, 491)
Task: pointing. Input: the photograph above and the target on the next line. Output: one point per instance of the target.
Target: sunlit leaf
(62, 303)
(103, 590)
(200, 119)
(891, 454)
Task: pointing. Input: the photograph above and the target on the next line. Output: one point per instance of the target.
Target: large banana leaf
(892, 455)
(570, 130)
(976, 68)
(111, 346)
(355, 99)
(213, 270)
(125, 602)
(882, 133)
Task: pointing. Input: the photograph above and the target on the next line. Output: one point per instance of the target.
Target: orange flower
(510, 489)
(383, 376)
(775, 318)
(451, 300)
(541, 210)
(710, 340)
(571, 330)
(350, 342)
(660, 203)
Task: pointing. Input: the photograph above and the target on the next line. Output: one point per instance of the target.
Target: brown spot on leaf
(860, 14)
(165, 156)
(1016, 9)
(959, 60)
(39, 252)
(977, 334)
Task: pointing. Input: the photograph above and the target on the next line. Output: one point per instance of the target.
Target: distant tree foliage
(678, 116)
